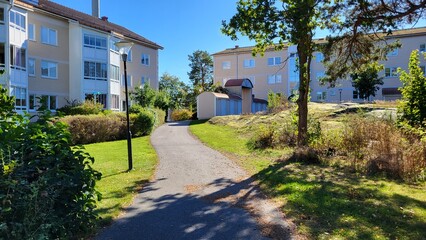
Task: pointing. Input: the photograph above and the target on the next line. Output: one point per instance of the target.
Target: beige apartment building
(277, 71)
(65, 55)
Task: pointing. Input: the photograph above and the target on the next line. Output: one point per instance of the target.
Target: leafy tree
(47, 186)
(366, 81)
(413, 104)
(175, 89)
(281, 22)
(201, 74)
(162, 100)
(144, 96)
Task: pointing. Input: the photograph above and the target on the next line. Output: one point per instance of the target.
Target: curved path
(197, 193)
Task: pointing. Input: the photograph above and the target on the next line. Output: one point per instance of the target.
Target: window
(1, 15)
(144, 80)
(95, 71)
(17, 20)
(112, 45)
(49, 69)
(17, 57)
(274, 61)
(129, 80)
(115, 73)
(249, 63)
(355, 95)
(2, 55)
(129, 56)
(31, 32)
(391, 72)
(49, 36)
(97, 98)
(422, 47)
(393, 53)
(145, 59)
(95, 42)
(319, 57)
(273, 79)
(31, 66)
(115, 101)
(20, 95)
(321, 96)
(226, 65)
(47, 101)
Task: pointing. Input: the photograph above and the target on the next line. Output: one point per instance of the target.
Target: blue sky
(181, 27)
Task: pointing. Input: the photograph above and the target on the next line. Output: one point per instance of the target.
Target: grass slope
(325, 202)
(117, 186)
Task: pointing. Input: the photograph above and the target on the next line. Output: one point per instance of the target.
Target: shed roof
(390, 91)
(244, 82)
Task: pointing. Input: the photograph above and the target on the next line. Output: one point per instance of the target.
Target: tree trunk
(304, 52)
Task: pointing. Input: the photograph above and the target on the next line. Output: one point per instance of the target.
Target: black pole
(129, 133)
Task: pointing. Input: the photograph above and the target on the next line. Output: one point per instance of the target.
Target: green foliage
(201, 74)
(144, 96)
(86, 108)
(48, 187)
(143, 123)
(135, 108)
(177, 91)
(277, 102)
(412, 107)
(366, 81)
(181, 114)
(162, 100)
(263, 138)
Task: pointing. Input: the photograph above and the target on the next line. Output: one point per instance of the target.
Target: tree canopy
(201, 74)
(366, 81)
(177, 90)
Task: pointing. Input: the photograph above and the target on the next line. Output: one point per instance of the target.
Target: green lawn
(117, 186)
(326, 202)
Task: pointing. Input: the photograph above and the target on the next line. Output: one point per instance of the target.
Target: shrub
(277, 102)
(47, 187)
(135, 108)
(181, 114)
(86, 108)
(160, 117)
(142, 123)
(263, 138)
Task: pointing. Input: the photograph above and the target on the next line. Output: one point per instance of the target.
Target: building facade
(276, 71)
(51, 51)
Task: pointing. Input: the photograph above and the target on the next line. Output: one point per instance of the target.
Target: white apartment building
(276, 70)
(65, 55)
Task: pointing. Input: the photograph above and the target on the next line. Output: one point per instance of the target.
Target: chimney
(96, 11)
(236, 46)
(104, 18)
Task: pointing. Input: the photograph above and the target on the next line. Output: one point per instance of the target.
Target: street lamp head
(123, 48)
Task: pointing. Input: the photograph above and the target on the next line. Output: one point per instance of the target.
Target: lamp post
(123, 49)
(340, 94)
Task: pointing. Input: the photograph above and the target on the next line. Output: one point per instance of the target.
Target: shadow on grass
(328, 203)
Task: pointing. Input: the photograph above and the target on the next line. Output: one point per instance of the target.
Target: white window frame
(22, 97)
(274, 61)
(249, 63)
(101, 75)
(114, 73)
(34, 98)
(15, 20)
(274, 79)
(18, 58)
(50, 74)
(96, 39)
(31, 32)
(226, 65)
(31, 67)
(115, 101)
(48, 40)
(391, 72)
(322, 96)
(145, 59)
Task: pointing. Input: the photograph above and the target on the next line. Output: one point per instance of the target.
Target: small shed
(210, 104)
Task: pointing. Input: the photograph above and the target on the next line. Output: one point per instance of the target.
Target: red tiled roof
(237, 82)
(90, 21)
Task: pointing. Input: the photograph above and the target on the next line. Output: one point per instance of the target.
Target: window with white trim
(319, 57)
(47, 101)
(115, 101)
(49, 36)
(18, 57)
(391, 72)
(31, 32)
(31, 67)
(1, 15)
(115, 73)
(422, 47)
(274, 79)
(355, 95)
(145, 59)
(17, 20)
(95, 71)
(321, 96)
(145, 80)
(20, 95)
(129, 56)
(97, 42)
(97, 98)
(49, 69)
(226, 65)
(274, 61)
(112, 46)
(249, 63)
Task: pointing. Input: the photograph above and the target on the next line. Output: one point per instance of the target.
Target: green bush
(143, 123)
(181, 114)
(86, 108)
(47, 187)
(135, 108)
(263, 138)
